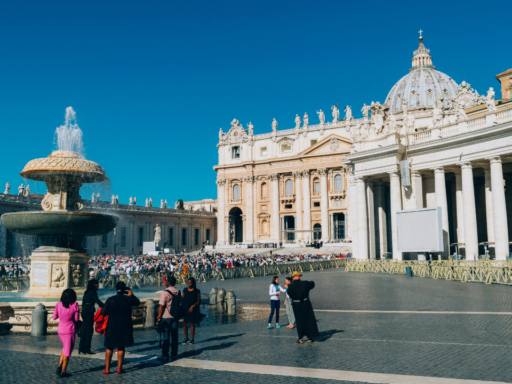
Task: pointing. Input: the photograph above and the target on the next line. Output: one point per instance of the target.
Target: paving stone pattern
(473, 346)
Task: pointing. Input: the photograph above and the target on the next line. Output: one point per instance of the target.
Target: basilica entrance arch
(236, 226)
(317, 232)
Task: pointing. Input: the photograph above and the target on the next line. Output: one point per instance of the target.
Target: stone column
(459, 202)
(362, 222)
(324, 203)
(298, 204)
(396, 205)
(441, 201)
(276, 235)
(249, 207)
(371, 220)
(353, 215)
(417, 188)
(380, 208)
(499, 209)
(307, 204)
(221, 211)
(470, 226)
(488, 206)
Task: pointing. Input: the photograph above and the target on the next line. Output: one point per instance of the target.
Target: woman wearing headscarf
(90, 298)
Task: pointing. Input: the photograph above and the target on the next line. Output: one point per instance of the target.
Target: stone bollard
(150, 314)
(213, 296)
(221, 295)
(39, 320)
(231, 303)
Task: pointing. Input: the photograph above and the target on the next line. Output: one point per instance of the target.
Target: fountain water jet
(61, 262)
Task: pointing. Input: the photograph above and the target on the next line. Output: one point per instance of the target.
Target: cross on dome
(420, 32)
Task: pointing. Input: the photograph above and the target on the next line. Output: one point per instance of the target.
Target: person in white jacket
(274, 291)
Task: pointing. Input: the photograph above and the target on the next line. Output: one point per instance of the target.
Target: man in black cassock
(305, 319)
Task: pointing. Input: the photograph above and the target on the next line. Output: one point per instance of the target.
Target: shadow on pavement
(326, 335)
(220, 338)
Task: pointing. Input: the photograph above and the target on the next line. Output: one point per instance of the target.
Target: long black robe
(298, 291)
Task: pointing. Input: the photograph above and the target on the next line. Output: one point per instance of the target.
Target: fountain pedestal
(54, 271)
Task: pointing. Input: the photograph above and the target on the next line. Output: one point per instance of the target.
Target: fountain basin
(43, 223)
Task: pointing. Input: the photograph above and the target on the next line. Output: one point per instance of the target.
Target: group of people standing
(298, 306)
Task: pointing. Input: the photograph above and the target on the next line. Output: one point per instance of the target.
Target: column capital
(249, 179)
(305, 173)
(297, 174)
(394, 174)
(439, 169)
(494, 159)
(221, 182)
(273, 176)
(416, 173)
(465, 165)
(359, 179)
(322, 171)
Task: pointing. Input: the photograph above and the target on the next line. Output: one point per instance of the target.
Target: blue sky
(153, 81)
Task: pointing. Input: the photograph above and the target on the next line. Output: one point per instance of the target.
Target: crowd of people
(14, 269)
(191, 265)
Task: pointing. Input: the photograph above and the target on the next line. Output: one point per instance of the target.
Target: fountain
(61, 262)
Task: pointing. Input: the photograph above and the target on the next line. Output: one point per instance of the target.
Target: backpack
(177, 309)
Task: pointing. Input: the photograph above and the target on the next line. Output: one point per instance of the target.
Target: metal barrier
(479, 271)
(14, 283)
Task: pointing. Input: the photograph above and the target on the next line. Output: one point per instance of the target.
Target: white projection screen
(420, 230)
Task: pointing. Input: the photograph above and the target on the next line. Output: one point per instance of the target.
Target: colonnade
(465, 206)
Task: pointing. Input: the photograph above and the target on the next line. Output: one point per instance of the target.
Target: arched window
(316, 186)
(338, 184)
(288, 187)
(236, 192)
(264, 190)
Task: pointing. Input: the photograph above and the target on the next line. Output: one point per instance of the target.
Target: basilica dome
(421, 86)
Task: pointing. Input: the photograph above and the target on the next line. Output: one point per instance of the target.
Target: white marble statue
(93, 198)
(7, 188)
(306, 120)
(297, 121)
(158, 235)
(165, 204)
(251, 128)
(113, 199)
(117, 199)
(98, 197)
(177, 205)
(147, 202)
(161, 203)
(348, 114)
(321, 116)
(21, 190)
(409, 122)
(460, 112)
(131, 201)
(135, 201)
(27, 191)
(355, 132)
(489, 100)
(437, 117)
(150, 202)
(335, 114)
(392, 124)
(220, 134)
(365, 110)
(274, 125)
(378, 120)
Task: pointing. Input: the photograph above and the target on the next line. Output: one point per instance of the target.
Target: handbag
(79, 326)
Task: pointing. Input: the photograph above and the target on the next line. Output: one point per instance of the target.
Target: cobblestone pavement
(426, 343)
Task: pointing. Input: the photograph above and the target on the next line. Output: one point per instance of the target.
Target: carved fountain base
(55, 269)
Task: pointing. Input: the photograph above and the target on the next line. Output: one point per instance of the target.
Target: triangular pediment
(331, 144)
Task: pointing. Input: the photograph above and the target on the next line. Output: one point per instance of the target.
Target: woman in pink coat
(68, 312)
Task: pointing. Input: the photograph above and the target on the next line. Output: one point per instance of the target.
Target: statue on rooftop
(365, 110)
(93, 198)
(251, 128)
(489, 100)
(348, 114)
(306, 120)
(220, 134)
(335, 114)
(150, 202)
(131, 201)
(27, 191)
(297, 121)
(274, 125)
(7, 188)
(135, 201)
(161, 203)
(21, 190)
(113, 199)
(321, 116)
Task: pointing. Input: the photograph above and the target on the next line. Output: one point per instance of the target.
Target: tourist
(90, 298)
(169, 322)
(298, 291)
(192, 299)
(274, 291)
(119, 332)
(288, 305)
(68, 312)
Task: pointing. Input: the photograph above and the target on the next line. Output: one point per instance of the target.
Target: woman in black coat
(119, 331)
(90, 298)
